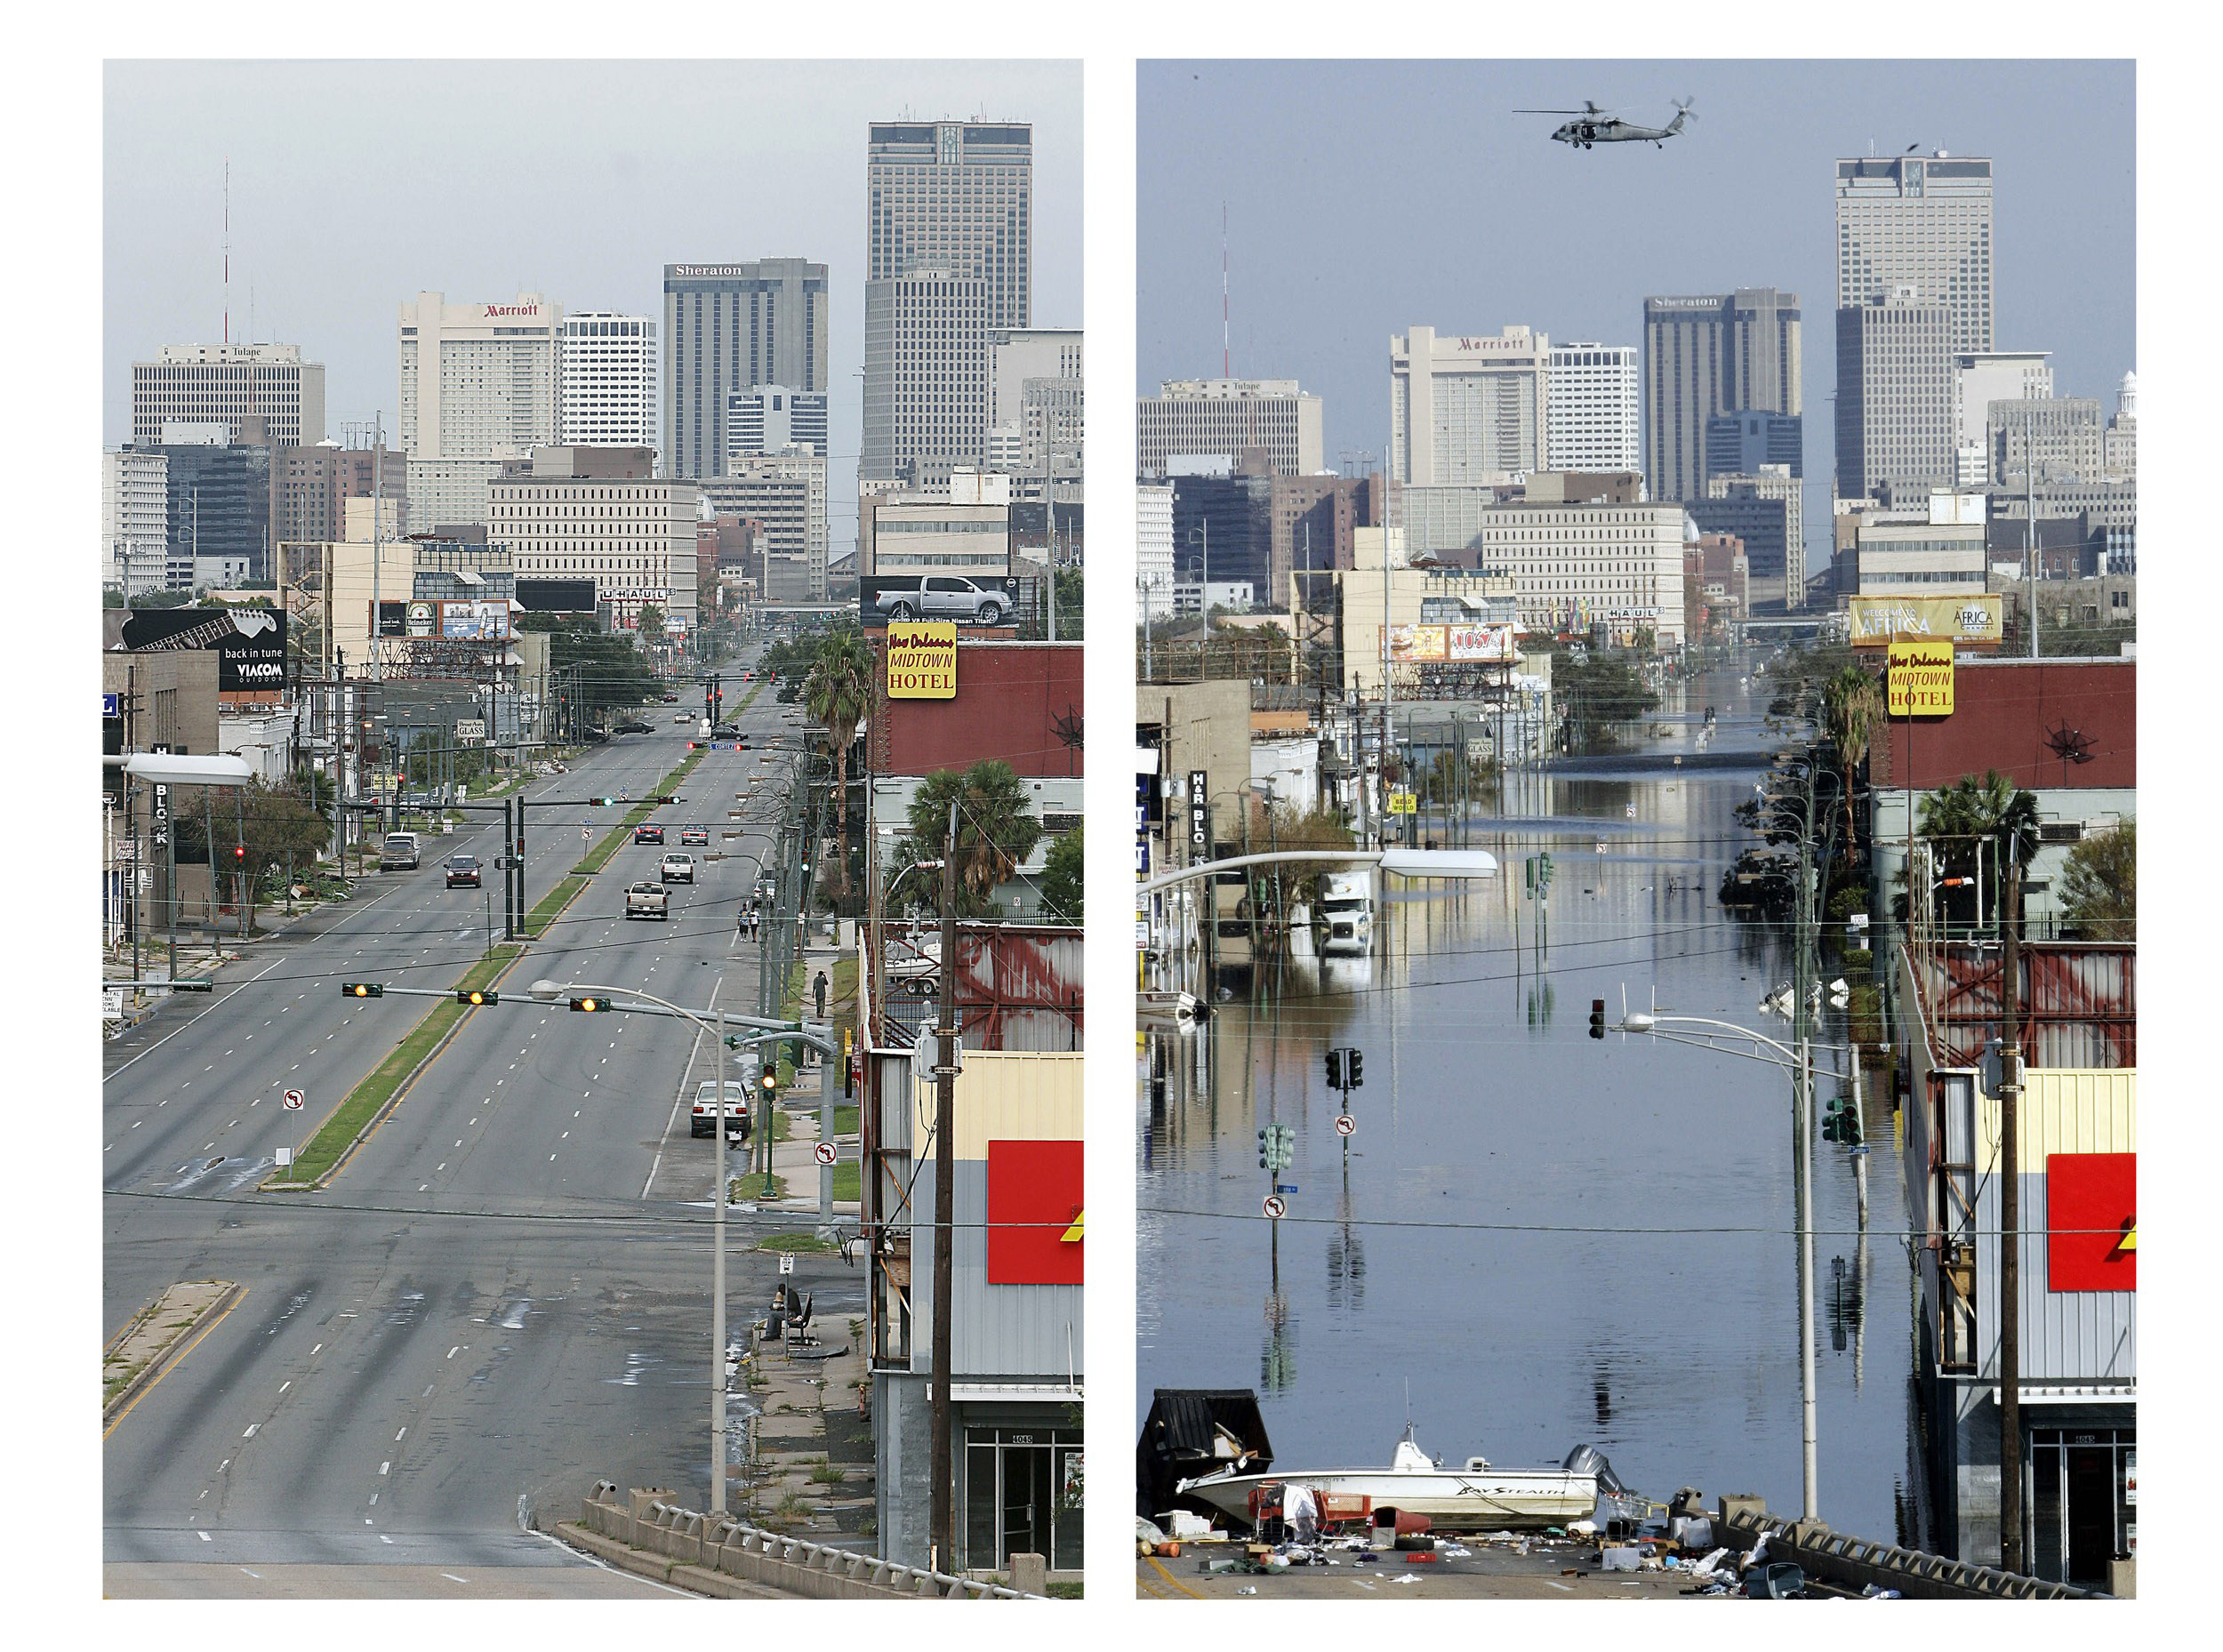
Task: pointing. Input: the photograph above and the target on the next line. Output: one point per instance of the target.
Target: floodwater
(1545, 1239)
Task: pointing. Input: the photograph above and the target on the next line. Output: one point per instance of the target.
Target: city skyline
(503, 221)
(1521, 231)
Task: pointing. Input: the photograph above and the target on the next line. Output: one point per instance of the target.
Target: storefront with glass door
(2084, 1493)
(1014, 1495)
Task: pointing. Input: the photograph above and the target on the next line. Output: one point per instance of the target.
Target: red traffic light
(239, 852)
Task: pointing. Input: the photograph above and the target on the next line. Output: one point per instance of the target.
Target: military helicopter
(1593, 125)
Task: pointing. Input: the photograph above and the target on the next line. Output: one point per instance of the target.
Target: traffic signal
(589, 1005)
(1357, 1061)
(768, 1081)
(1335, 1070)
(1265, 1148)
(476, 996)
(1597, 1018)
(239, 852)
(361, 990)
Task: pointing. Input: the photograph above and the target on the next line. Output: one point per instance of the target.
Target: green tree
(1062, 880)
(996, 830)
(1599, 692)
(2099, 885)
(282, 823)
(1992, 810)
(1853, 705)
(837, 693)
(1285, 828)
(649, 624)
(611, 671)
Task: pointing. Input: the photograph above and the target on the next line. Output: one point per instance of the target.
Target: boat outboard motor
(1590, 1460)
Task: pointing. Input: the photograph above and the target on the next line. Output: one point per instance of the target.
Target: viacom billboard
(249, 642)
(1875, 620)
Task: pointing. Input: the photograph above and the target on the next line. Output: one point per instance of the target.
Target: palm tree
(1968, 810)
(837, 693)
(997, 829)
(1852, 705)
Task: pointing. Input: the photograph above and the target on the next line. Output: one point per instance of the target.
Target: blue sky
(1363, 197)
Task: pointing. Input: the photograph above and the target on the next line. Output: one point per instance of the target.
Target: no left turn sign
(1276, 1206)
(294, 1101)
(824, 1152)
(1345, 1125)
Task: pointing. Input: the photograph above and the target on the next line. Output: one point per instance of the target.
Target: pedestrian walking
(819, 987)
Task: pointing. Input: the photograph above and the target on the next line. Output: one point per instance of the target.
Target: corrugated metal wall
(1024, 1333)
(1009, 1096)
(2079, 1003)
(2067, 1336)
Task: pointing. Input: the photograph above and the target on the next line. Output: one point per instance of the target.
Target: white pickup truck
(647, 900)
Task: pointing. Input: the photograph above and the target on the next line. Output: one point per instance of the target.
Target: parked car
(649, 834)
(697, 836)
(398, 853)
(941, 596)
(703, 1119)
(671, 699)
(635, 726)
(677, 869)
(647, 900)
(463, 870)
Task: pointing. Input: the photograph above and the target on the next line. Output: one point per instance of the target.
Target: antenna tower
(1227, 357)
(227, 249)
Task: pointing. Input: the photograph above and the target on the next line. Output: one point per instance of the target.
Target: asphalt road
(503, 1297)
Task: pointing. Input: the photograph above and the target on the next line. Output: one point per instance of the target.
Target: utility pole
(2010, 1555)
(378, 552)
(1389, 693)
(941, 1555)
(718, 1280)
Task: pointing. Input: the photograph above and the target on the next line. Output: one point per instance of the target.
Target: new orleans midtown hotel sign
(1920, 679)
(922, 660)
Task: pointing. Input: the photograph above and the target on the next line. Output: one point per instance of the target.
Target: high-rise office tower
(1229, 417)
(203, 383)
(786, 493)
(1591, 403)
(1979, 379)
(770, 418)
(479, 385)
(310, 488)
(1715, 353)
(1923, 223)
(926, 375)
(1737, 444)
(731, 327)
(609, 381)
(134, 521)
(955, 196)
(1467, 409)
(1034, 400)
(1894, 395)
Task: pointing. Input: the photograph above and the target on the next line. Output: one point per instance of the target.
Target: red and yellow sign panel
(1921, 679)
(2091, 1222)
(1035, 1185)
(922, 660)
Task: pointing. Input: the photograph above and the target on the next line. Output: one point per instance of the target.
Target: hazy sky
(354, 186)
(1365, 197)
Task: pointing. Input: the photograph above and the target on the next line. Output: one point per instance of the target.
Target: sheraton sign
(922, 660)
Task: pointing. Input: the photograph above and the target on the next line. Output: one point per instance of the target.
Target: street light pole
(941, 1555)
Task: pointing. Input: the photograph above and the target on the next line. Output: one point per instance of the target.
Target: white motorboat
(1475, 1497)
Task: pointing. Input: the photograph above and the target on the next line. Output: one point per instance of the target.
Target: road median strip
(157, 1337)
(351, 1122)
(598, 857)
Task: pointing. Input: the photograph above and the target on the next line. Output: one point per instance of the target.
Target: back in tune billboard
(249, 642)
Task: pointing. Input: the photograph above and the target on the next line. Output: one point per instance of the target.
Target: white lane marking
(552, 1159)
(440, 1166)
(137, 1122)
(251, 1429)
(288, 1383)
(318, 1349)
(453, 1578)
(1556, 1583)
(564, 1137)
(422, 1186)
(454, 1350)
(405, 1430)
(109, 1148)
(374, 1501)
(384, 1466)
(255, 1575)
(207, 1538)
(575, 1113)
(425, 1395)
(459, 1141)
(226, 1463)
(165, 1101)
(382, 1538)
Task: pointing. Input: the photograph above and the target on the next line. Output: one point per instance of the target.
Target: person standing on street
(819, 987)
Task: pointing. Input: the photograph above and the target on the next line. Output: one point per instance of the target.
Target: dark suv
(463, 869)
(648, 834)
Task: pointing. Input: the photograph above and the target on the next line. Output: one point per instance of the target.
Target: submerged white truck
(1346, 914)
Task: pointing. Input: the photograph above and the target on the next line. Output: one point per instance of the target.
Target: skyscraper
(1591, 402)
(731, 327)
(955, 196)
(1918, 221)
(1894, 395)
(1467, 409)
(1229, 417)
(479, 385)
(770, 418)
(609, 381)
(926, 375)
(1713, 354)
(199, 383)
